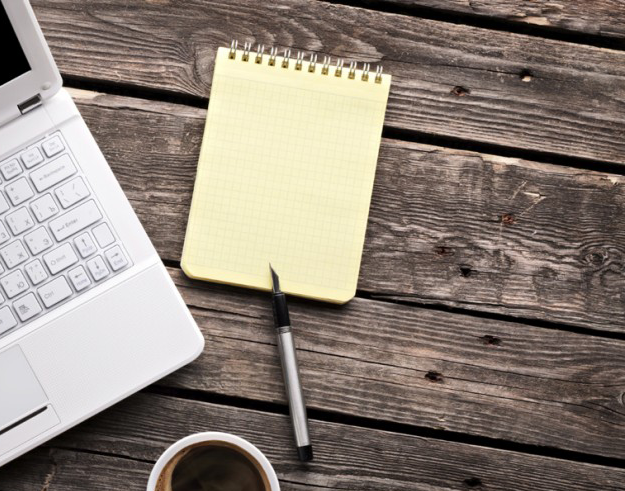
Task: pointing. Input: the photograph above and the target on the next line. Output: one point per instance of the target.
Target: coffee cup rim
(209, 436)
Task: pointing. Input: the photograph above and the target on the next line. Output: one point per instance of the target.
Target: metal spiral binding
(378, 74)
(312, 63)
(365, 72)
(286, 58)
(352, 70)
(327, 60)
(260, 51)
(339, 68)
(246, 51)
(272, 56)
(299, 62)
(233, 49)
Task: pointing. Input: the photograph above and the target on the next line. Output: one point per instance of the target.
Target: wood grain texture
(58, 469)
(130, 436)
(449, 79)
(446, 226)
(604, 18)
(414, 366)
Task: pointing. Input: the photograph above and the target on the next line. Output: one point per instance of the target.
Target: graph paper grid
(285, 175)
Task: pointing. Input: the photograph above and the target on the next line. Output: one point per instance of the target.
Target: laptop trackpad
(20, 391)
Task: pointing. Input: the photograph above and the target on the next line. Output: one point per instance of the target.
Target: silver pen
(290, 370)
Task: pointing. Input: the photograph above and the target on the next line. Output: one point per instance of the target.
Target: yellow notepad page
(285, 176)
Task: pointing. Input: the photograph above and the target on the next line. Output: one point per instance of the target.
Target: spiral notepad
(286, 172)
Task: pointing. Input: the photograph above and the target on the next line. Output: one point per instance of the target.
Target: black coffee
(216, 468)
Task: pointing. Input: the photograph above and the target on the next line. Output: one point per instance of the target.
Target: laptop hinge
(30, 104)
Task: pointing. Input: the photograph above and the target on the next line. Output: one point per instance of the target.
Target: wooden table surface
(486, 347)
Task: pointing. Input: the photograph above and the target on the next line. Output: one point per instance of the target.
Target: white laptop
(88, 313)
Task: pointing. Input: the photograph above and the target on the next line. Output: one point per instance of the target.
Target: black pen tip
(275, 280)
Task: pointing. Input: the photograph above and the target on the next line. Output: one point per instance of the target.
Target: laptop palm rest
(24, 410)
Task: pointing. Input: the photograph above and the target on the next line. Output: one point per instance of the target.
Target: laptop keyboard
(55, 241)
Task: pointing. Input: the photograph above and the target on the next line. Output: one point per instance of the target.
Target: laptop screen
(15, 62)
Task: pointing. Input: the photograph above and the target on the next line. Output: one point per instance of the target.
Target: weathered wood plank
(28, 473)
(346, 457)
(420, 367)
(54, 469)
(604, 18)
(571, 104)
(446, 226)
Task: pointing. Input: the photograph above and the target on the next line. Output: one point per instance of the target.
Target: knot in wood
(596, 257)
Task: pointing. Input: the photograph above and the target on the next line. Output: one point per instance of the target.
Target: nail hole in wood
(465, 270)
(434, 376)
(460, 91)
(491, 340)
(526, 75)
(473, 482)
(443, 251)
(507, 219)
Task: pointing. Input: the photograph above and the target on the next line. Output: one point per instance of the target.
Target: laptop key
(72, 192)
(60, 258)
(4, 205)
(14, 283)
(14, 254)
(53, 146)
(103, 235)
(116, 258)
(85, 245)
(44, 207)
(53, 173)
(38, 241)
(4, 233)
(36, 272)
(19, 191)
(79, 278)
(97, 268)
(11, 169)
(75, 220)
(27, 307)
(54, 292)
(20, 220)
(7, 320)
(30, 158)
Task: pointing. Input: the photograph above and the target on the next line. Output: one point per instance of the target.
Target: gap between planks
(386, 426)
(570, 105)
(414, 367)
(141, 427)
(490, 16)
(391, 132)
(399, 299)
(580, 384)
(433, 216)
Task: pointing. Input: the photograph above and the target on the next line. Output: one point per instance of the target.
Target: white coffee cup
(164, 466)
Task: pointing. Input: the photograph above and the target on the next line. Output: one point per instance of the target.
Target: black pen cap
(305, 453)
